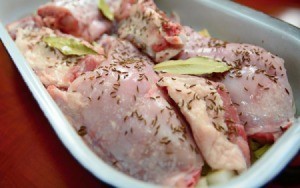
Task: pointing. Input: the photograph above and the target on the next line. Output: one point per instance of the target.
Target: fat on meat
(31, 22)
(128, 120)
(152, 31)
(213, 120)
(50, 65)
(257, 83)
(80, 18)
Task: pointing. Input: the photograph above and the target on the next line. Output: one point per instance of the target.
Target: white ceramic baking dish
(225, 20)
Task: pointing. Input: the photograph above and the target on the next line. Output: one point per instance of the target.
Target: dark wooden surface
(31, 155)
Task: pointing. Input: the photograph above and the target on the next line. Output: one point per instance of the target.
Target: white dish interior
(225, 20)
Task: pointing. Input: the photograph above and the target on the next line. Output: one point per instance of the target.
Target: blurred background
(287, 10)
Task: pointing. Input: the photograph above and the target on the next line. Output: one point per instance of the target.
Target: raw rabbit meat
(258, 83)
(213, 120)
(80, 18)
(128, 120)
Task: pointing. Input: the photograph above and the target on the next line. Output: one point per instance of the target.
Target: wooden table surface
(31, 155)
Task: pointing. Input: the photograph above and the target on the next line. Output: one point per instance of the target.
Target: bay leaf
(69, 46)
(105, 9)
(194, 66)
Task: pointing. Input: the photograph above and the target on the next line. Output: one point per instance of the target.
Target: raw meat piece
(257, 83)
(29, 22)
(128, 120)
(80, 18)
(152, 31)
(213, 120)
(121, 8)
(51, 66)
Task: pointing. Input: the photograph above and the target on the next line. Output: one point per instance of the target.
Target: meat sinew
(128, 120)
(213, 120)
(50, 65)
(257, 83)
(80, 18)
(152, 31)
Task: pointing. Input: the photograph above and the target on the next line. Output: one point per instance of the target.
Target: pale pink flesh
(217, 133)
(50, 65)
(237, 134)
(152, 31)
(121, 8)
(258, 84)
(128, 120)
(80, 18)
(27, 22)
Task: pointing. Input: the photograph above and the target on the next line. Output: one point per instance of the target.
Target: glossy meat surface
(128, 120)
(29, 22)
(156, 127)
(257, 83)
(121, 8)
(50, 65)
(215, 127)
(80, 18)
(152, 31)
